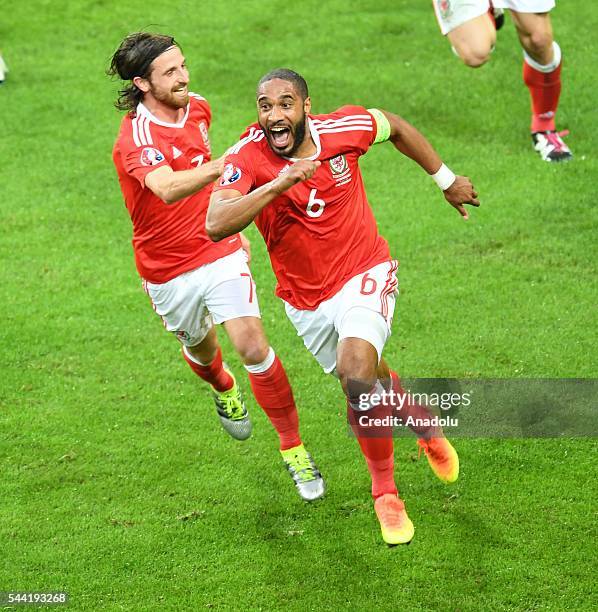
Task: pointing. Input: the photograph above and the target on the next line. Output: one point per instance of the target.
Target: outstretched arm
(458, 190)
(230, 211)
(171, 186)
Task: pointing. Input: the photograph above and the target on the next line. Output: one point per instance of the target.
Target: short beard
(170, 100)
(299, 138)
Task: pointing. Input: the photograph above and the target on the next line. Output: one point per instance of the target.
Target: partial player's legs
(474, 40)
(205, 359)
(273, 393)
(179, 303)
(267, 377)
(442, 457)
(363, 318)
(470, 26)
(232, 300)
(357, 365)
(346, 334)
(535, 34)
(542, 76)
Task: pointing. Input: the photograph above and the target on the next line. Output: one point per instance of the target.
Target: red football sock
(411, 409)
(273, 393)
(545, 89)
(213, 373)
(377, 447)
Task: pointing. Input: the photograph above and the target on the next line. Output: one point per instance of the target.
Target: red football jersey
(321, 232)
(168, 239)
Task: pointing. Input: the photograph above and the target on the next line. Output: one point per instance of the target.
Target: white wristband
(444, 178)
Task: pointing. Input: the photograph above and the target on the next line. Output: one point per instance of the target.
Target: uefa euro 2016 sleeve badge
(230, 175)
(151, 156)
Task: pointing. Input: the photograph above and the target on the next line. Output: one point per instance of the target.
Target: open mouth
(280, 136)
(182, 90)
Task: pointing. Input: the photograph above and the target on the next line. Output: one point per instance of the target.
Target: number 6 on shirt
(315, 206)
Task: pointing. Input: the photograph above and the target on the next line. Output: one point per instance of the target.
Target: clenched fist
(300, 171)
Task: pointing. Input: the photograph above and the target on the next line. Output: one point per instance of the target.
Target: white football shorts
(453, 13)
(362, 308)
(192, 302)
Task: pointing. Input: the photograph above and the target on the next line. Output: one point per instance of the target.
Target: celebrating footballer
(297, 176)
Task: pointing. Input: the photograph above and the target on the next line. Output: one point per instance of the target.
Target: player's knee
(204, 351)
(539, 44)
(351, 370)
(474, 58)
(473, 52)
(202, 354)
(254, 351)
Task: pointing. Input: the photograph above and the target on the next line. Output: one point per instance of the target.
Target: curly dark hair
(133, 58)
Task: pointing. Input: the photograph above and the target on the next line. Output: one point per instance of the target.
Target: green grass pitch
(117, 483)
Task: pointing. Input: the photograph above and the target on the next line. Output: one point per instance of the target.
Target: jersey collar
(316, 138)
(142, 110)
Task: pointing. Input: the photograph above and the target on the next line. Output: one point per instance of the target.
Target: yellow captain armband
(382, 125)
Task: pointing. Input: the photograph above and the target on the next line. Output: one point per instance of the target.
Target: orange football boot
(442, 457)
(394, 523)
